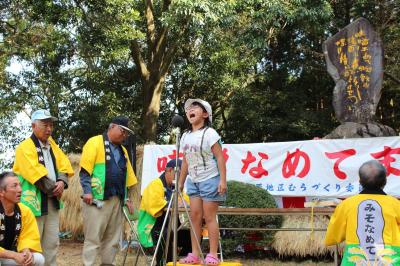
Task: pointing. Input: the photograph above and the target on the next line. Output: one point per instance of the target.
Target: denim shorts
(207, 190)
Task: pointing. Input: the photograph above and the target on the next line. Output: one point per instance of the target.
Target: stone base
(360, 130)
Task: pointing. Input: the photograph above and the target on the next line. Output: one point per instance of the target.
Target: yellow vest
(29, 170)
(370, 226)
(94, 162)
(29, 236)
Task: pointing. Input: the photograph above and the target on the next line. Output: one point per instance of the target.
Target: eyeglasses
(193, 106)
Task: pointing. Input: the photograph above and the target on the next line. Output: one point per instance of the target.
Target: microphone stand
(175, 212)
(173, 203)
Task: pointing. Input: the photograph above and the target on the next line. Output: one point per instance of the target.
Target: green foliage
(259, 63)
(74, 58)
(255, 63)
(199, 12)
(242, 195)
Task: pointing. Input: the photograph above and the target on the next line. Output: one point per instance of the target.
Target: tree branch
(168, 59)
(170, 53)
(137, 57)
(389, 19)
(84, 14)
(166, 4)
(149, 14)
(161, 40)
(307, 50)
(160, 47)
(391, 77)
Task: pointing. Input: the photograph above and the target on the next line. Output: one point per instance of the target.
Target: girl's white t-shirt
(202, 164)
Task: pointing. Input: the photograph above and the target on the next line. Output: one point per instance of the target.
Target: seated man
(19, 233)
(369, 222)
(152, 214)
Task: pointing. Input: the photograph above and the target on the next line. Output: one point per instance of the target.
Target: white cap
(42, 114)
(205, 104)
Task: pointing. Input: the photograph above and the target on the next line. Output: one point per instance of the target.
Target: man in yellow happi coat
(369, 222)
(105, 175)
(19, 234)
(43, 170)
(155, 199)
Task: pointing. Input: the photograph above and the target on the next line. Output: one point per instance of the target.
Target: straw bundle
(304, 243)
(139, 164)
(70, 216)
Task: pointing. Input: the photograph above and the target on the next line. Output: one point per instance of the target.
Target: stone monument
(354, 58)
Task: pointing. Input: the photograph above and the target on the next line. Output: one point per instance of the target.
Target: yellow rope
(314, 203)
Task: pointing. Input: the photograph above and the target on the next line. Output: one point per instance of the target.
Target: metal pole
(166, 245)
(162, 230)
(176, 191)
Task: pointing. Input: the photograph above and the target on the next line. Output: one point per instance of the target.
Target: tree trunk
(151, 108)
(154, 68)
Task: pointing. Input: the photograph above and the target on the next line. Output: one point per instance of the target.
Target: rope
(314, 203)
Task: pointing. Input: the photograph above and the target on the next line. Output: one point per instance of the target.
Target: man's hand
(19, 258)
(88, 198)
(129, 204)
(28, 257)
(58, 189)
(46, 185)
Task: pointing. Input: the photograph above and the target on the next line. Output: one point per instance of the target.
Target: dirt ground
(70, 253)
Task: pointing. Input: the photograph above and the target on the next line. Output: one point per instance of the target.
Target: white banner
(316, 168)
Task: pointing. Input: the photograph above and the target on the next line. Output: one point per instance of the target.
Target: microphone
(177, 121)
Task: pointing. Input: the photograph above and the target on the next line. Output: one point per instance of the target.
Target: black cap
(122, 121)
(172, 163)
